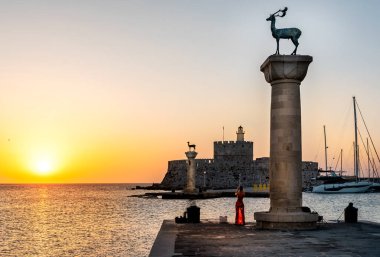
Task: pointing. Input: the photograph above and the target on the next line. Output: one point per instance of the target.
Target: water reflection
(101, 220)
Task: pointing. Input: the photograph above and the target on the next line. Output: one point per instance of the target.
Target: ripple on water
(100, 220)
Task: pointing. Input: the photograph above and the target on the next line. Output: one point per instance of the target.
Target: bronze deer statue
(286, 33)
(190, 146)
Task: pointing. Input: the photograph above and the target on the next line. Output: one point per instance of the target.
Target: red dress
(239, 206)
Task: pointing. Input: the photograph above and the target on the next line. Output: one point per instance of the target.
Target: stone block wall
(261, 168)
(232, 161)
(225, 174)
(241, 151)
(175, 177)
(309, 174)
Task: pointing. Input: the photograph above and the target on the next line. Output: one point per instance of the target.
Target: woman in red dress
(239, 206)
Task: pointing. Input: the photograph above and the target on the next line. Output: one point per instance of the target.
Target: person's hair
(240, 188)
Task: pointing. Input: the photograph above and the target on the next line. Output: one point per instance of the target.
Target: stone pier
(191, 166)
(211, 238)
(285, 74)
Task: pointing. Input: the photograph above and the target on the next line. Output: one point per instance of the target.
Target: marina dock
(202, 195)
(211, 238)
(208, 195)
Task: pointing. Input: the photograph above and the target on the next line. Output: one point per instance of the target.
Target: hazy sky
(109, 91)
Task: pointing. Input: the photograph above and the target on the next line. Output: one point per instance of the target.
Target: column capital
(191, 154)
(285, 67)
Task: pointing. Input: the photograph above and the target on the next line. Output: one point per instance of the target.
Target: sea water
(102, 220)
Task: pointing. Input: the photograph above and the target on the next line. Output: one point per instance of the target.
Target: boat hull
(344, 188)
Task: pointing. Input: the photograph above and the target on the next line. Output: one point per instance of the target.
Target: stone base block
(286, 220)
(191, 191)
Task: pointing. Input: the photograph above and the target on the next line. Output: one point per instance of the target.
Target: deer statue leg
(278, 46)
(295, 42)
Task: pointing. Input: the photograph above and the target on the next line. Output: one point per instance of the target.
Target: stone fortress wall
(233, 161)
(239, 151)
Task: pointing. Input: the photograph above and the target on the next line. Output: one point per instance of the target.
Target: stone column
(191, 166)
(285, 74)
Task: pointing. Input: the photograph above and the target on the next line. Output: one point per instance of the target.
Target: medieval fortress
(233, 164)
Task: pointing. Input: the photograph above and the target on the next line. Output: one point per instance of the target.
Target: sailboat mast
(356, 150)
(353, 146)
(369, 167)
(341, 161)
(324, 131)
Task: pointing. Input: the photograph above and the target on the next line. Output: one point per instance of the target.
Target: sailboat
(351, 186)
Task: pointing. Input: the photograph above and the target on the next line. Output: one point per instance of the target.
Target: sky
(110, 91)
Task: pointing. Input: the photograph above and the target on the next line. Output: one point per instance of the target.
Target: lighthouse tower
(240, 134)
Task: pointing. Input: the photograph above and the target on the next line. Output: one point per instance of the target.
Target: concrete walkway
(209, 238)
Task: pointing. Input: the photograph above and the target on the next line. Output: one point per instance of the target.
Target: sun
(43, 167)
(43, 164)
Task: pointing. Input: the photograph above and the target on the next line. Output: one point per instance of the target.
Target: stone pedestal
(285, 74)
(191, 166)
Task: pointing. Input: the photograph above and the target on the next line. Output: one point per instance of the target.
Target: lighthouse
(240, 134)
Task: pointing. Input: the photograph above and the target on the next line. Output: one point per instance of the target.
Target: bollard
(193, 214)
(351, 214)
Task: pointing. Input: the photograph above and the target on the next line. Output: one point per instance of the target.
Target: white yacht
(346, 187)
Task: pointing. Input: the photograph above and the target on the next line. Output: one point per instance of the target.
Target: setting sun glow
(43, 164)
(43, 167)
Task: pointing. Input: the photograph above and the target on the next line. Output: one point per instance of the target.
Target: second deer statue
(286, 33)
(191, 146)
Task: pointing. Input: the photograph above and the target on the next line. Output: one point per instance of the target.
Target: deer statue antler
(283, 12)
